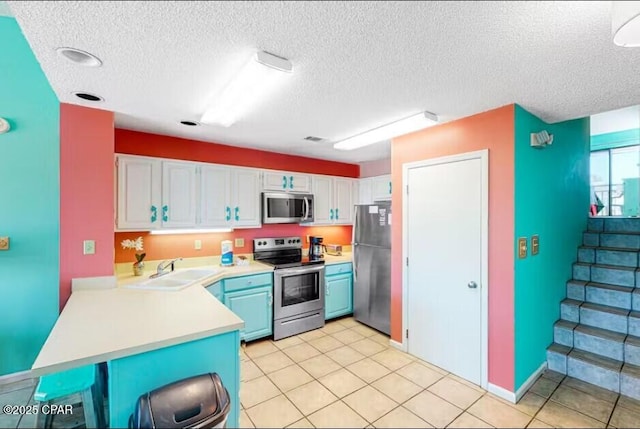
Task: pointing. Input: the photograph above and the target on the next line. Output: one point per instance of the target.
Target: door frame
(483, 155)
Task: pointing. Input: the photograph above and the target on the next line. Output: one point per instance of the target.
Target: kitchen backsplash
(159, 247)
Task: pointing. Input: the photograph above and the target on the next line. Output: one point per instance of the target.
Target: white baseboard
(502, 393)
(515, 397)
(16, 376)
(397, 345)
(532, 379)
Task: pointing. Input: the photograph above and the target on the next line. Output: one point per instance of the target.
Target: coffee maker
(315, 248)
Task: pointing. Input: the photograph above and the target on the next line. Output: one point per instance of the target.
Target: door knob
(472, 285)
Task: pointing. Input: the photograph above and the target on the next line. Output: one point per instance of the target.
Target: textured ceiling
(357, 65)
(4, 9)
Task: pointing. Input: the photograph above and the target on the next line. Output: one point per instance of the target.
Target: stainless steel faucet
(162, 266)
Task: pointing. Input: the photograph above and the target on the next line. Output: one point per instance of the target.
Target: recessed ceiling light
(80, 57)
(190, 123)
(87, 96)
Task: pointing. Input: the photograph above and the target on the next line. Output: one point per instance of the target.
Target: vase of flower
(138, 266)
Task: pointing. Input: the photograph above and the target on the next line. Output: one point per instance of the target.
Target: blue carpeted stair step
(604, 317)
(599, 341)
(610, 295)
(557, 357)
(563, 332)
(630, 381)
(594, 369)
(613, 275)
(624, 241)
(570, 310)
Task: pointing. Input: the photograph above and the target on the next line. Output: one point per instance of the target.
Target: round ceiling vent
(87, 96)
(190, 123)
(79, 57)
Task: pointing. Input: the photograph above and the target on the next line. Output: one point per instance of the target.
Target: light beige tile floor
(347, 375)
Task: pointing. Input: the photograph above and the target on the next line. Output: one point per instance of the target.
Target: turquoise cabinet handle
(336, 213)
(290, 182)
(389, 188)
(154, 214)
(331, 214)
(237, 214)
(284, 182)
(228, 210)
(165, 215)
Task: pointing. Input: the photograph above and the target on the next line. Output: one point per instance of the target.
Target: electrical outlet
(89, 247)
(4, 243)
(198, 244)
(239, 242)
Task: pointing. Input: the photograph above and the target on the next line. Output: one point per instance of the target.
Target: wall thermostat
(4, 126)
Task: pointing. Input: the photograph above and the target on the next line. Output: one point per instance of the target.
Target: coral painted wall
(86, 189)
(137, 143)
(493, 130)
(182, 245)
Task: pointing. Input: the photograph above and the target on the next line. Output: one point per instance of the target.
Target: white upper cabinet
(381, 187)
(178, 194)
(343, 200)
(322, 200)
(245, 198)
(139, 193)
(333, 200)
(215, 196)
(286, 181)
(365, 195)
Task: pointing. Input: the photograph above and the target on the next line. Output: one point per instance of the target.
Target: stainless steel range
(298, 285)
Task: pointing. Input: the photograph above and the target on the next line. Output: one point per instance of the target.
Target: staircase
(597, 339)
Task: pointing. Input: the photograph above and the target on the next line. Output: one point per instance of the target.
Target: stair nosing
(604, 334)
(631, 369)
(616, 232)
(611, 249)
(571, 302)
(562, 348)
(633, 340)
(565, 322)
(608, 286)
(614, 267)
(635, 314)
(594, 359)
(605, 308)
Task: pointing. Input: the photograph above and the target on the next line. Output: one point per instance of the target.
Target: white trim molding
(501, 392)
(483, 155)
(532, 379)
(397, 345)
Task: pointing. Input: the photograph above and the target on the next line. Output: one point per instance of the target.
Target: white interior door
(444, 275)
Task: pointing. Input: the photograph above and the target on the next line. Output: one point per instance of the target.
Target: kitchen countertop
(101, 325)
(344, 258)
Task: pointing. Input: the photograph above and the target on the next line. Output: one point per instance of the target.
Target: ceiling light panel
(258, 78)
(385, 132)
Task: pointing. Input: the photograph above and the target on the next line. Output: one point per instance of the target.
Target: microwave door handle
(306, 208)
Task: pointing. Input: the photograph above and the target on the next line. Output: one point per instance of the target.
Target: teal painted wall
(615, 139)
(551, 200)
(29, 202)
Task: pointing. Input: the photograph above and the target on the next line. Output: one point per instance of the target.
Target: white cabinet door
(381, 188)
(139, 193)
(323, 212)
(299, 182)
(364, 193)
(178, 194)
(343, 200)
(215, 196)
(286, 181)
(245, 193)
(275, 181)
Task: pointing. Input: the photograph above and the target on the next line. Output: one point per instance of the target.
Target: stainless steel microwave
(284, 207)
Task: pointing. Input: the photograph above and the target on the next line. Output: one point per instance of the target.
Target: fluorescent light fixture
(188, 231)
(259, 77)
(385, 132)
(625, 23)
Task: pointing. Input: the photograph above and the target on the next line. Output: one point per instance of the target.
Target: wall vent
(314, 139)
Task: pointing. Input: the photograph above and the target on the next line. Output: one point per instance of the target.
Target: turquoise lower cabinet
(215, 289)
(338, 294)
(254, 306)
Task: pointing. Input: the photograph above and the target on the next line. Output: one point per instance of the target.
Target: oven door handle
(293, 271)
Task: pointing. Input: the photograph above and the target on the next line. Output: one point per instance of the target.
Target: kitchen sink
(195, 274)
(173, 281)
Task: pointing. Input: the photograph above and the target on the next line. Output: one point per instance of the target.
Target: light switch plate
(239, 242)
(522, 247)
(197, 244)
(4, 243)
(89, 247)
(535, 244)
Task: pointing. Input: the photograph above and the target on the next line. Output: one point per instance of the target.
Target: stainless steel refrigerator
(372, 265)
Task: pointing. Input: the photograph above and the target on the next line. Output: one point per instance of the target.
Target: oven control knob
(289, 242)
(298, 240)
